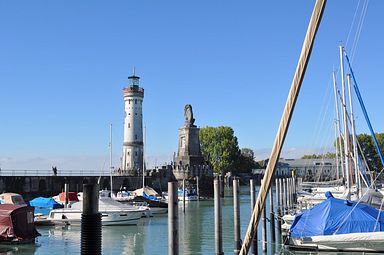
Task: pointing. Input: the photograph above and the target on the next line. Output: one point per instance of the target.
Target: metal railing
(39, 172)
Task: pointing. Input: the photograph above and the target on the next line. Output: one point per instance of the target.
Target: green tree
(369, 150)
(219, 146)
(246, 161)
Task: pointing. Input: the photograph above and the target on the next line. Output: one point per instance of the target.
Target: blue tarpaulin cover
(44, 205)
(337, 216)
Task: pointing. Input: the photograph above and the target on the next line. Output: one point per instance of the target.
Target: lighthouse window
(129, 125)
(129, 101)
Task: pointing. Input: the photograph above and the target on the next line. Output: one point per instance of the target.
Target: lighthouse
(132, 160)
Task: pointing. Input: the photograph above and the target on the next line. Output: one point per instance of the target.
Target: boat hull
(73, 217)
(353, 242)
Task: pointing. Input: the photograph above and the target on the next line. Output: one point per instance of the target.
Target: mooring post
(272, 216)
(278, 195)
(183, 195)
(236, 215)
(221, 178)
(173, 219)
(253, 201)
(66, 191)
(264, 228)
(218, 227)
(197, 188)
(91, 221)
(284, 196)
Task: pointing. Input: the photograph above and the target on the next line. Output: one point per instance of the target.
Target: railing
(31, 172)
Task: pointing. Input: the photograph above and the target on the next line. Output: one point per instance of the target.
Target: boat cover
(16, 222)
(43, 205)
(147, 190)
(373, 198)
(72, 197)
(337, 216)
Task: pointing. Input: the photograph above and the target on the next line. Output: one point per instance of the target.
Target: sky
(63, 65)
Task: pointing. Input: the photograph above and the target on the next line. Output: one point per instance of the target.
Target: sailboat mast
(110, 156)
(338, 136)
(345, 123)
(355, 153)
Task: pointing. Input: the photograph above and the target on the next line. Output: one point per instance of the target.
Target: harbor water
(150, 236)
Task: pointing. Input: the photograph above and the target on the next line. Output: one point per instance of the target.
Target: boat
(338, 225)
(190, 195)
(147, 195)
(12, 198)
(72, 198)
(43, 205)
(112, 213)
(17, 224)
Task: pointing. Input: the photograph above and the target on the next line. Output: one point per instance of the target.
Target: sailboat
(340, 224)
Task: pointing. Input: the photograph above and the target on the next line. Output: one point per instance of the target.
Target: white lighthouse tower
(132, 160)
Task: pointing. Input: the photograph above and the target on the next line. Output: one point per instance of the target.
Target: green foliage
(369, 149)
(219, 147)
(246, 161)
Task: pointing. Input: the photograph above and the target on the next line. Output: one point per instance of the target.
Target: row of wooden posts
(285, 190)
(285, 197)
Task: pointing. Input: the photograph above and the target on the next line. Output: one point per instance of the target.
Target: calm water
(196, 228)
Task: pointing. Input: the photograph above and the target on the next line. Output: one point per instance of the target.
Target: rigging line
(359, 29)
(358, 201)
(364, 110)
(378, 215)
(353, 23)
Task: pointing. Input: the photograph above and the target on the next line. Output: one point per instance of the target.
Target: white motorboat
(112, 213)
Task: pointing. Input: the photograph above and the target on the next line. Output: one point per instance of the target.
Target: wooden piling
(236, 216)
(264, 230)
(218, 227)
(221, 178)
(284, 197)
(173, 219)
(183, 195)
(197, 188)
(66, 191)
(253, 201)
(91, 234)
(278, 200)
(272, 216)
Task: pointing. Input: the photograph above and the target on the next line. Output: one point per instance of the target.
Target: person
(54, 169)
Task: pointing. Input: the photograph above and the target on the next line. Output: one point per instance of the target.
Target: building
(132, 159)
(309, 169)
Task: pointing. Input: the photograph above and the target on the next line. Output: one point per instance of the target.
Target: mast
(337, 126)
(345, 123)
(110, 156)
(355, 153)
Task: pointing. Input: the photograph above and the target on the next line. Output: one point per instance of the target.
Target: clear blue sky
(63, 65)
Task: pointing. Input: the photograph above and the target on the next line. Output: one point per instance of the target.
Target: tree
(246, 161)
(369, 150)
(219, 146)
